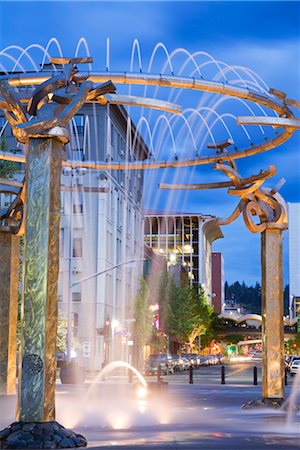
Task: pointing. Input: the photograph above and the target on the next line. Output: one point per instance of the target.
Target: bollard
(285, 376)
(159, 373)
(255, 376)
(130, 376)
(222, 374)
(191, 381)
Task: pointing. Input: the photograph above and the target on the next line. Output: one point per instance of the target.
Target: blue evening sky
(264, 36)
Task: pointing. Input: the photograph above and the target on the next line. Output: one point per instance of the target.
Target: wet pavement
(203, 415)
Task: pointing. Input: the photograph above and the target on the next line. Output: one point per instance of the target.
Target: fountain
(53, 104)
(137, 402)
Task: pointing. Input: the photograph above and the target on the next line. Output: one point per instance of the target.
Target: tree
(165, 290)
(189, 314)
(214, 331)
(250, 296)
(61, 337)
(142, 325)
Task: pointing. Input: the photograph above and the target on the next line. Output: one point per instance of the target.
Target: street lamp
(109, 327)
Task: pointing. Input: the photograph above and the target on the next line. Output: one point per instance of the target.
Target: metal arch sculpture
(270, 208)
(276, 100)
(53, 104)
(268, 205)
(10, 225)
(11, 218)
(265, 203)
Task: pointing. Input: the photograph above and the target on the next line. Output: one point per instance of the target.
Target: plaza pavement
(203, 415)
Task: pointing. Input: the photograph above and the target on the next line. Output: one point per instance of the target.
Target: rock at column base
(270, 403)
(39, 435)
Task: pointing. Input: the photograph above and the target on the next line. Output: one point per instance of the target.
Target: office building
(186, 239)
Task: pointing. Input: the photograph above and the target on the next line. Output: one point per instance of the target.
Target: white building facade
(101, 233)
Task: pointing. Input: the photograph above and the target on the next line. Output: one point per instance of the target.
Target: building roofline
(212, 230)
(160, 213)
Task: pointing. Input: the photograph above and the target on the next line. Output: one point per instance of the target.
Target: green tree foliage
(61, 337)
(184, 313)
(293, 346)
(142, 325)
(7, 168)
(215, 330)
(250, 296)
(165, 290)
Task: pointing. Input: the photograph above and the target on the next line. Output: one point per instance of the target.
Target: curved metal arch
(176, 82)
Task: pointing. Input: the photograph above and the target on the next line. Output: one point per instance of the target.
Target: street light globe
(114, 324)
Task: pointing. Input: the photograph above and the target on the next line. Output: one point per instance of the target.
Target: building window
(78, 208)
(77, 247)
(75, 319)
(112, 135)
(59, 298)
(76, 296)
(79, 123)
(78, 203)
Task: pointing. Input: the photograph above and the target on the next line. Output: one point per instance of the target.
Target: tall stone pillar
(36, 399)
(272, 314)
(9, 287)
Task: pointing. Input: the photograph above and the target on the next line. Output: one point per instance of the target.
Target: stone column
(272, 314)
(9, 287)
(36, 399)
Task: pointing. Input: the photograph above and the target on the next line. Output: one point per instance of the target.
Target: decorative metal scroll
(52, 104)
(266, 204)
(11, 217)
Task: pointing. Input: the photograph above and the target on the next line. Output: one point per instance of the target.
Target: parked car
(164, 360)
(192, 358)
(186, 362)
(292, 359)
(295, 367)
(178, 363)
(203, 361)
(195, 359)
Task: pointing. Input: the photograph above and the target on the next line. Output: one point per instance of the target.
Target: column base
(264, 402)
(39, 435)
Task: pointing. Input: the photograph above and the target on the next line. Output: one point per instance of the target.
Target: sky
(263, 36)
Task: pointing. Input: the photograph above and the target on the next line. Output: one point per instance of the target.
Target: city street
(205, 414)
(237, 373)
